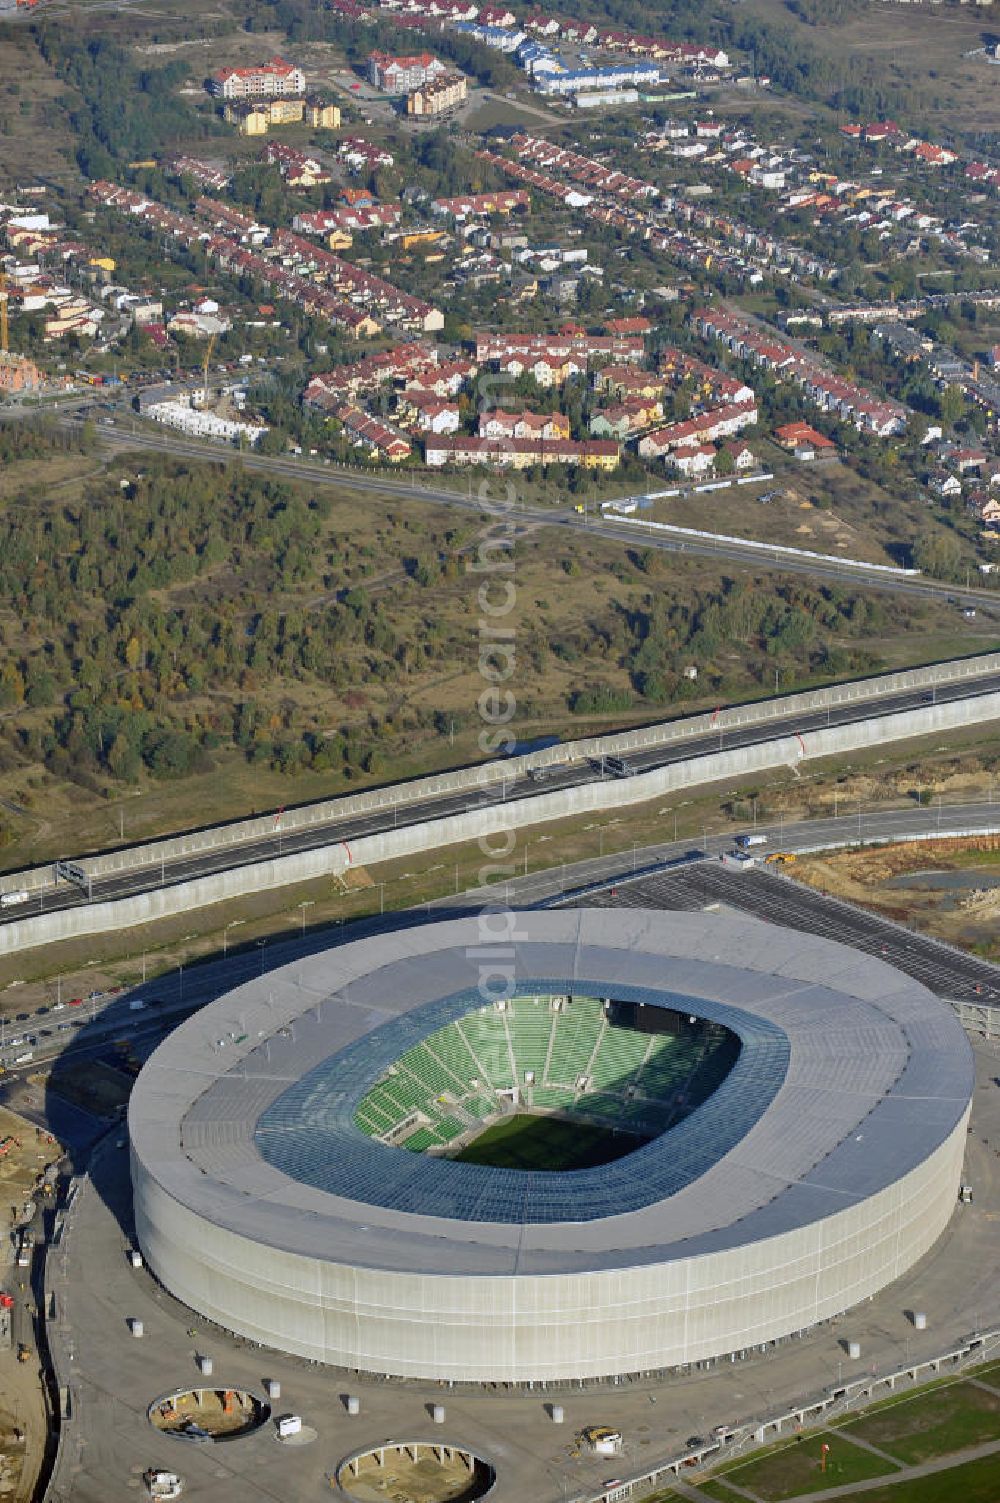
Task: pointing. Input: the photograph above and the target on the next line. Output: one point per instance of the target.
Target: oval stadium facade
(547, 1145)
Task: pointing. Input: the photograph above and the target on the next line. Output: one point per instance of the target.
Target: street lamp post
(225, 935)
(260, 945)
(310, 903)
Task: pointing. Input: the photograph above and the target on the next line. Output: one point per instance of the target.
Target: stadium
(549, 1145)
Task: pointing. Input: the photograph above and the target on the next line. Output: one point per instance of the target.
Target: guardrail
(395, 798)
(783, 550)
(487, 820)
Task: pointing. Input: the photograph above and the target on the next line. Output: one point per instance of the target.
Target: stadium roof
(851, 1076)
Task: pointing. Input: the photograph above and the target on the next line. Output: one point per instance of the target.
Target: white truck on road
(747, 842)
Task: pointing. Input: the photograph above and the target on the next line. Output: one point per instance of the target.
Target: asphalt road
(115, 434)
(279, 843)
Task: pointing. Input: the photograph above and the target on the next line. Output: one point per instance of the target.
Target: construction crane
(208, 355)
(4, 341)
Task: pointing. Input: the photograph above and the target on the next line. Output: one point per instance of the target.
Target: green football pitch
(525, 1142)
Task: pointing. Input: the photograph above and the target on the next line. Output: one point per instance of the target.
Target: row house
(623, 420)
(443, 380)
(362, 287)
(620, 202)
(428, 413)
(500, 38)
(521, 453)
(844, 399)
(298, 169)
(534, 425)
(337, 226)
(707, 380)
(202, 173)
(360, 155)
(384, 442)
(473, 205)
(720, 422)
(625, 383)
(611, 347)
(582, 169)
(394, 366)
(320, 301)
(232, 222)
(694, 461)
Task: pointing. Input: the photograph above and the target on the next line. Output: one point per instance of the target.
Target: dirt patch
(12, 1457)
(219, 1412)
(948, 888)
(26, 1153)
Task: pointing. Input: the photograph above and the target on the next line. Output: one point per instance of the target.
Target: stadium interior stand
(619, 1065)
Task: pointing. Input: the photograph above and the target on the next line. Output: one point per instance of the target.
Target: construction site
(28, 1172)
(209, 1413)
(947, 888)
(17, 372)
(204, 409)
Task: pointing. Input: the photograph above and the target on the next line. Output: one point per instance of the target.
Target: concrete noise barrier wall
(492, 822)
(489, 774)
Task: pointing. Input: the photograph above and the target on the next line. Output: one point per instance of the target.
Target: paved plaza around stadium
(109, 1440)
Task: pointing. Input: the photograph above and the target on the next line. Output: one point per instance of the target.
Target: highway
(420, 811)
(114, 433)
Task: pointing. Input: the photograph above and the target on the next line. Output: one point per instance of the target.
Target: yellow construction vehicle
(780, 858)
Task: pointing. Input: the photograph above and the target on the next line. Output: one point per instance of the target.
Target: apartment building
(320, 113)
(271, 80)
(399, 75)
(439, 95)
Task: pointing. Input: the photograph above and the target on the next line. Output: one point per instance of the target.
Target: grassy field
(935, 1424)
(796, 1470)
(922, 1427)
(547, 1143)
(973, 1482)
(908, 44)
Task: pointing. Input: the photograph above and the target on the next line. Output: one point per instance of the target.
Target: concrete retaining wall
(492, 820)
(491, 774)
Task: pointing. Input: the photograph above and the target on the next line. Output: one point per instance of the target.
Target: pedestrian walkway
(844, 1433)
(856, 1489)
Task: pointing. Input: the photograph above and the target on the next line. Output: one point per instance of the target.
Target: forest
(181, 608)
